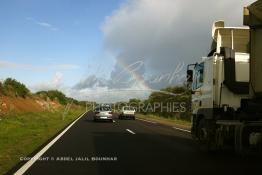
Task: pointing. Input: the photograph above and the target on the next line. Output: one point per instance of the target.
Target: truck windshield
(198, 76)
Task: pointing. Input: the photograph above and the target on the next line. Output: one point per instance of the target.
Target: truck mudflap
(247, 135)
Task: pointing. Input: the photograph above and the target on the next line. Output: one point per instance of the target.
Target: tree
(13, 87)
(176, 102)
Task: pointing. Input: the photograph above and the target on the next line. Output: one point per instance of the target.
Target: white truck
(226, 87)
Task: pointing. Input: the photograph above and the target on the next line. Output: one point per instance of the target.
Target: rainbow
(131, 71)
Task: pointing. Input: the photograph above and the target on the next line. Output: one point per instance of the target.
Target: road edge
(173, 125)
(19, 165)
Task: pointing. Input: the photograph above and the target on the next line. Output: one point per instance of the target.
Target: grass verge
(21, 134)
(169, 120)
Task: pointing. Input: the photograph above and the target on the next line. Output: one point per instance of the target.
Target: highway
(133, 147)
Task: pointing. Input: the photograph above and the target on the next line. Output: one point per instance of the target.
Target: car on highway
(103, 113)
(127, 112)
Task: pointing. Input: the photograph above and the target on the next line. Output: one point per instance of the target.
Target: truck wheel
(203, 136)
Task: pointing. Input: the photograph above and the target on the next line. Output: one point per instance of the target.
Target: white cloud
(43, 24)
(56, 83)
(57, 80)
(30, 67)
(108, 95)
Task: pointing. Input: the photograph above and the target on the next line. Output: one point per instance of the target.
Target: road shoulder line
(146, 121)
(184, 130)
(29, 163)
(174, 127)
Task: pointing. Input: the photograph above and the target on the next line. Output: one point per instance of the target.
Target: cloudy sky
(107, 50)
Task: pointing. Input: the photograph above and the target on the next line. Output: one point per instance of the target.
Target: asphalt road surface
(134, 147)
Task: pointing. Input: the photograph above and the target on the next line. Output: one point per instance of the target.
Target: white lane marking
(114, 121)
(130, 131)
(182, 129)
(29, 163)
(146, 121)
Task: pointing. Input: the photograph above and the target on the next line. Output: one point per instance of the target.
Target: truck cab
(222, 78)
(220, 86)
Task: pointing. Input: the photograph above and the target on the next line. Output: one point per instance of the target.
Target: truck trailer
(226, 87)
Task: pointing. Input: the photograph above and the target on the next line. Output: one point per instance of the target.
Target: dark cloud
(165, 35)
(91, 82)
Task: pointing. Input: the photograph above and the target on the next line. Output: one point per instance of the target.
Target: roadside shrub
(55, 95)
(12, 87)
(1, 89)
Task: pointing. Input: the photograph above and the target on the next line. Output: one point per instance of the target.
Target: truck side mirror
(189, 76)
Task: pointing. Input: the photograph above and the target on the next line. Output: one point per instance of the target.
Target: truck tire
(203, 136)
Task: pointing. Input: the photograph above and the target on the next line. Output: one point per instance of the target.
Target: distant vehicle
(105, 105)
(103, 113)
(127, 112)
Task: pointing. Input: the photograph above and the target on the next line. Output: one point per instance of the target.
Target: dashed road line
(128, 130)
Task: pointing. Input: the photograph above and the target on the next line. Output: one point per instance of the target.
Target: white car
(127, 112)
(103, 113)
